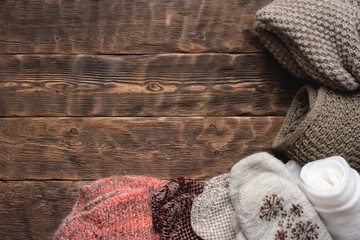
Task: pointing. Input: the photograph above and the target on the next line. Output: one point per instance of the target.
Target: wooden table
(91, 89)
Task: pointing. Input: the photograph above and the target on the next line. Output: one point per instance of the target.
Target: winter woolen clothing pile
(261, 198)
(318, 39)
(321, 123)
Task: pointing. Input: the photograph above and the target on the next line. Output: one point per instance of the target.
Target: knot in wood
(213, 126)
(74, 131)
(264, 88)
(154, 87)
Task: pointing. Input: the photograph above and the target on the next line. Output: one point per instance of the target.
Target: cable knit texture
(171, 207)
(112, 208)
(317, 39)
(321, 123)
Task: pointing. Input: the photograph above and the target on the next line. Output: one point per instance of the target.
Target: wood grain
(69, 113)
(33, 210)
(128, 27)
(154, 85)
(91, 148)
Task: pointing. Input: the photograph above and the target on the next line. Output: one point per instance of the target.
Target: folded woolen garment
(317, 39)
(213, 216)
(321, 123)
(333, 187)
(171, 208)
(269, 204)
(112, 208)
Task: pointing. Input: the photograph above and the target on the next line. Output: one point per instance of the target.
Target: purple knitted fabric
(171, 208)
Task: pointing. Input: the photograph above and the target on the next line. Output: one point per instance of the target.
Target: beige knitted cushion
(317, 39)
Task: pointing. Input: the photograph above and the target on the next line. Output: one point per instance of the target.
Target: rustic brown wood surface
(162, 88)
(34, 209)
(122, 26)
(90, 148)
(152, 85)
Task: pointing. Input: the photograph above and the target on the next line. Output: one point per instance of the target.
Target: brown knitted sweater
(317, 39)
(321, 123)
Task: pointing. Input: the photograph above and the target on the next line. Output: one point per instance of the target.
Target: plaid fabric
(171, 207)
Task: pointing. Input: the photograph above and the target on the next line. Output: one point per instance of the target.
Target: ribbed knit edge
(314, 99)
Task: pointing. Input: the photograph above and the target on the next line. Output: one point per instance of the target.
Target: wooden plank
(152, 85)
(91, 148)
(128, 27)
(33, 210)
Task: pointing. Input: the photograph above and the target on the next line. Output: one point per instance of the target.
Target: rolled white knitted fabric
(333, 187)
